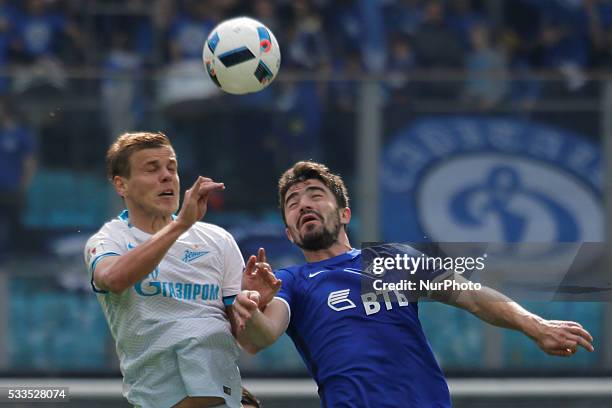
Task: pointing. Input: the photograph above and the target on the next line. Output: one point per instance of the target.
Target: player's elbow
(262, 344)
(254, 344)
(465, 302)
(110, 282)
(110, 276)
(252, 348)
(116, 289)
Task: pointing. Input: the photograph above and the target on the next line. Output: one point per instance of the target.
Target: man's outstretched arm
(555, 337)
(256, 329)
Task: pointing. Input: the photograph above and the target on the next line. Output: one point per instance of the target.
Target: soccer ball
(241, 56)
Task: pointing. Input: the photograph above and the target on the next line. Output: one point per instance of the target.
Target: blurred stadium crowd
(102, 67)
(76, 73)
(333, 37)
(317, 35)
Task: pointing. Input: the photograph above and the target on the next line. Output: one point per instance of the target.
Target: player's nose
(165, 175)
(305, 205)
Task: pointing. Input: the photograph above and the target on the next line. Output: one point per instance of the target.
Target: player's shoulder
(293, 269)
(388, 249)
(111, 229)
(211, 229)
(211, 235)
(291, 272)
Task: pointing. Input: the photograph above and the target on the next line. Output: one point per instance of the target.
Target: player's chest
(346, 291)
(189, 262)
(326, 286)
(315, 279)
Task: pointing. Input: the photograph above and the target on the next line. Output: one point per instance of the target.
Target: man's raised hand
(258, 276)
(195, 201)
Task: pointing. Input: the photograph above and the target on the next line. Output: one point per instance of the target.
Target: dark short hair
(118, 155)
(248, 398)
(307, 170)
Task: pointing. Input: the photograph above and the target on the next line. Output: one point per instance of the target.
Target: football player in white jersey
(164, 282)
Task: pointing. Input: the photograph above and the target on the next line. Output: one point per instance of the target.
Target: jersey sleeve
(97, 248)
(285, 294)
(233, 267)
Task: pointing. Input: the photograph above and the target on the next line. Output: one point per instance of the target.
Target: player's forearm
(142, 260)
(259, 332)
(498, 309)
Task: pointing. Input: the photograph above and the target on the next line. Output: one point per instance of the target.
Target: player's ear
(120, 186)
(345, 215)
(289, 237)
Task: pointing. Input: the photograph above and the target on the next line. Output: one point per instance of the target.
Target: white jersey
(172, 334)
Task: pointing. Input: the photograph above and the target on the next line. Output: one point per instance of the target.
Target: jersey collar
(125, 217)
(140, 234)
(349, 255)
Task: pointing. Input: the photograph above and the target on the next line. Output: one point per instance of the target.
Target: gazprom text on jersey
(178, 290)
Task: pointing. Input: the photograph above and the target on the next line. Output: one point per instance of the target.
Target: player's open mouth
(307, 218)
(166, 193)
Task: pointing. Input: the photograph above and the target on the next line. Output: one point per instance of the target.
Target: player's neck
(149, 223)
(339, 247)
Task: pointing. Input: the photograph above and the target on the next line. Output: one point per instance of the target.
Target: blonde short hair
(118, 155)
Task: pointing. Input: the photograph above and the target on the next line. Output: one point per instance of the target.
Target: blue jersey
(363, 349)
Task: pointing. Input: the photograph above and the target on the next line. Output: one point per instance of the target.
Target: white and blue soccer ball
(241, 56)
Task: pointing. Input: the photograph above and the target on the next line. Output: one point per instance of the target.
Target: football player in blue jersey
(363, 349)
